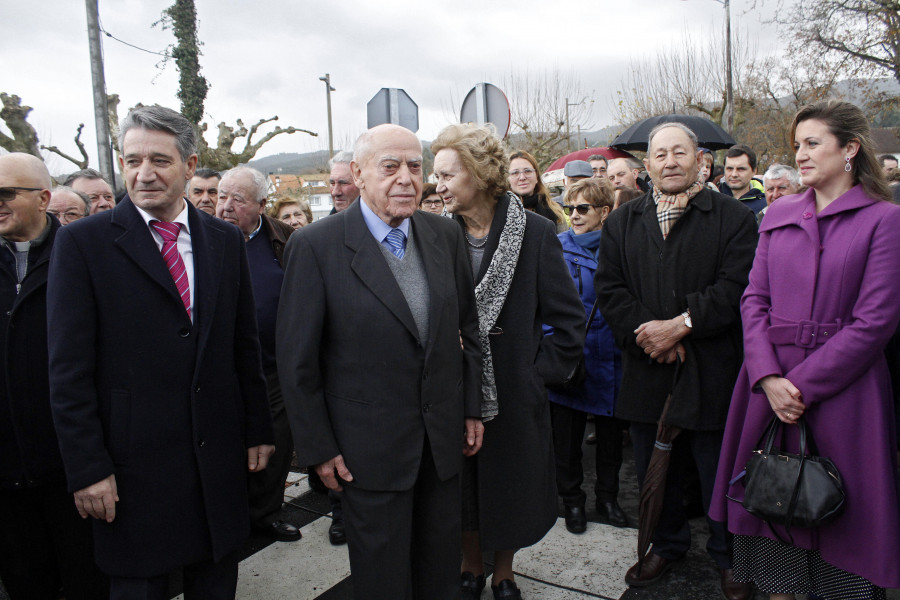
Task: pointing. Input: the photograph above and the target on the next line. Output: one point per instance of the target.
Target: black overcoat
(139, 391)
(356, 378)
(516, 472)
(703, 266)
(29, 451)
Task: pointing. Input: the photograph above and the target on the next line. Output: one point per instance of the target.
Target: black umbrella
(709, 135)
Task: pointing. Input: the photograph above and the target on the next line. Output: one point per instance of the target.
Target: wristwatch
(687, 319)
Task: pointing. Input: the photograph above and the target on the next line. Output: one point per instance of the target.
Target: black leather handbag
(576, 378)
(792, 490)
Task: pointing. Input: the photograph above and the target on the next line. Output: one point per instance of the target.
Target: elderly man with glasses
(68, 205)
(44, 545)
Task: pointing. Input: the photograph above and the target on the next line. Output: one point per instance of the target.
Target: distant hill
(292, 162)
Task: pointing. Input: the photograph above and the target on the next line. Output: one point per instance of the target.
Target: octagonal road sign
(486, 103)
(393, 105)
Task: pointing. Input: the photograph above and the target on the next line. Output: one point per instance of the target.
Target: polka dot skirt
(777, 568)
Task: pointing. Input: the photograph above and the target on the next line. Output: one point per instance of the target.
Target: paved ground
(561, 567)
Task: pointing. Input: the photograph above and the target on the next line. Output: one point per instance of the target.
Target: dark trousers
(568, 435)
(673, 534)
(46, 545)
(405, 545)
(205, 580)
(266, 488)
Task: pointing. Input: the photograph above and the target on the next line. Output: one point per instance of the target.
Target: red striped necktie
(169, 233)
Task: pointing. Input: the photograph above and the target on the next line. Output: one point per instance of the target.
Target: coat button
(197, 390)
(426, 407)
(807, 215)
(184, 332)
(201, 443)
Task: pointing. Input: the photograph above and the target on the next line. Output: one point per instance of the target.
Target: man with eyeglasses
(68, 205)
(44, 545)
(95, 186)
(598, 164)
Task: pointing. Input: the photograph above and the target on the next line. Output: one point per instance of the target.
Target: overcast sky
(265, 57)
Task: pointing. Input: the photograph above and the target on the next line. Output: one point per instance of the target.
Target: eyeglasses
(525, 172)
(581, 209)
(8, 194)
(69, 215)
(433, 203)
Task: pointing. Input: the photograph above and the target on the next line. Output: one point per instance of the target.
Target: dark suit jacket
(139, 391)
(356, 380)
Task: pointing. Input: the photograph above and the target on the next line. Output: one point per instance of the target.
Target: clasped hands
(98, 500)
(662, 339)
(784, 398)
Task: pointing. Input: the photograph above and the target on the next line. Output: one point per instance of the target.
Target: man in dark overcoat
(156, 383)
(44, 545)
(673, 266)
(380, 368)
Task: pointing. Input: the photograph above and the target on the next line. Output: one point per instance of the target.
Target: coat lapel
(370, 266)
(651, 222)
(137, 243)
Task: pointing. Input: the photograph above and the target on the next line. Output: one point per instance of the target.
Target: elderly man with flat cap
(44, 545)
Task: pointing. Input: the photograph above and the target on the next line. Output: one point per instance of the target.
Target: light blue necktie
(397, 241)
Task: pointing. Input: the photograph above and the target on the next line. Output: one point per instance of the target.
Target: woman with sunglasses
(525, 182)
(508, 497)
(588, 204)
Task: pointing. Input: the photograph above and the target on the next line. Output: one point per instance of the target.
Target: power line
(109, 35)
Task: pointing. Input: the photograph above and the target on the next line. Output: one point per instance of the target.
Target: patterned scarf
(490, 295)
(669, 208)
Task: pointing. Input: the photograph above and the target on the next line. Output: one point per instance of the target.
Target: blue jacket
(603, 360)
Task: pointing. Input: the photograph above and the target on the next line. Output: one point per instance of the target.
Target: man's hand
(669, 357)
(258, 457)
(474, 436)
(327, 469)
(784, 398)
(98, 500)
(657, 338)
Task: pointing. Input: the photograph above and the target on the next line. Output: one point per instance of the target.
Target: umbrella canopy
(654, 488)
(709, 135)
(583, 154)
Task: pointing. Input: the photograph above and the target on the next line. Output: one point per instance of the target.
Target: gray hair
(594, 157)
(342, 157)
(83, 174)
(84, 197)
(259, 181)
(676, 124)
(160, 118)
(777, 171)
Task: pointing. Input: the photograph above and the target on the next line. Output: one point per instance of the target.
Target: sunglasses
(581, 209)
(8, 194)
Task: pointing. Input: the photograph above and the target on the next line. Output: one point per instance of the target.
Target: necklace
(481, 245)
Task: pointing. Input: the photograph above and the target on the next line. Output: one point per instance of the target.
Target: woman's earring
(847, 167)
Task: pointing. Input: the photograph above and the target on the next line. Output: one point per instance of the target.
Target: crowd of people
(433, 354)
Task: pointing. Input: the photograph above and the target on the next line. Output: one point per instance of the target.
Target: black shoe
(471, 586)
(506, 590)
(281, 531)
(611, 512)
(336, 534)
(576, 520)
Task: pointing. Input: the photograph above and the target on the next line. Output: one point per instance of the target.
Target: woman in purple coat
(823, 299)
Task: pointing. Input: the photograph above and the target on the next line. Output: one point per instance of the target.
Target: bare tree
(24, 137)
(538, 103)
(223, 156)
(687, 77)
(864, 31)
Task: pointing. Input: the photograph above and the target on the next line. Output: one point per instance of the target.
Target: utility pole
(729, 89)
(328, 90)
(101, 112)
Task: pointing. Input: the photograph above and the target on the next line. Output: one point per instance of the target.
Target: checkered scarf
(669, 208)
